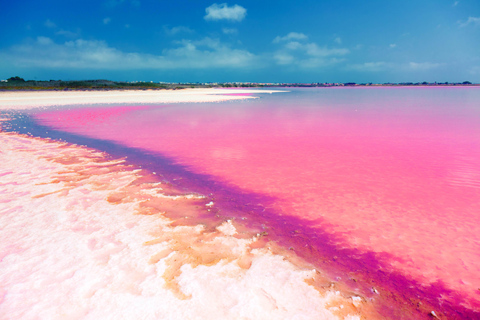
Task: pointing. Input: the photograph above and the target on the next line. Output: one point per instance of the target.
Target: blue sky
(258, 41)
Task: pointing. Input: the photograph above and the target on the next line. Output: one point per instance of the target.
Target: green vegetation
(18, 83)
(15, 79)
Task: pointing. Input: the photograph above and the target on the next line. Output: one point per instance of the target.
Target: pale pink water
(393, 171)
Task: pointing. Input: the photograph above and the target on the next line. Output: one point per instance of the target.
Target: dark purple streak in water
(390, 170)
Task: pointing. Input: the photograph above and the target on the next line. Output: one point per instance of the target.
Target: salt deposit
(37, 99)
(84, 237)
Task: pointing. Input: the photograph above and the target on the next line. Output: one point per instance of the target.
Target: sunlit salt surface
(84, 237)
(377, 187)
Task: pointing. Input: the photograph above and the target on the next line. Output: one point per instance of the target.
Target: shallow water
(85, 237)
(379, 186)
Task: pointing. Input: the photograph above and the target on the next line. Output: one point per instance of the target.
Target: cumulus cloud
(475, 21)
(176, 30)
(313, 49)
(229, 30)
(422, 65)
(293, 45)
(391, 66)
(61, 32)
(290, 36)
(224, 12)
(296, 51)
(370, 66)
(50, 24)
(68, 34)
(43, 41)
(284, 58)
(88, 54)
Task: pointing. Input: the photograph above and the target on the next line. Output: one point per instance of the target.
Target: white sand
(35, 99)
(78, 244)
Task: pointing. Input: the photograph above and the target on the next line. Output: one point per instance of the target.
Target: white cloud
(229, 30)
(455, 4)
(338, 40)
(390, 66)
(283, 58)
(50, 24)
(471, 20)
(293, 45)
(68, 34)
(290, 36)
(176, 30)
(224, 12)
(107, 20)
(62, 32)
(393, 45)
(422, 65)
(314, 50)
(44, 41)
(85, 54)
(295, 51)
(370, 66)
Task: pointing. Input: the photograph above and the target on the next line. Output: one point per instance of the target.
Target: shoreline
(93, 229)
(22, 100)
(85, 216)
(317, 281)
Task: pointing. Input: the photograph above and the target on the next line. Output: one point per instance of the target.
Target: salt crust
(68, 253)
(31, 99)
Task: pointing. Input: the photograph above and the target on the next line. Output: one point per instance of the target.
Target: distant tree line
(18, 83)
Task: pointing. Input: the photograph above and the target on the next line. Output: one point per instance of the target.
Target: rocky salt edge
(86, 236)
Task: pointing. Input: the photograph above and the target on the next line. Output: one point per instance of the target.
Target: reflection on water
(389, 171)
(465, 172)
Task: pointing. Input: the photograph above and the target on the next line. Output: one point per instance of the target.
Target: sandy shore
(35, 99)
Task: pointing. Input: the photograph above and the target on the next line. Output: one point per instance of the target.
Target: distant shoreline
(26, 98)
(73, 89)
(19, 84)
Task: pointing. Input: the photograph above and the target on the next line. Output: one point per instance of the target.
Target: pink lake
(390, 177)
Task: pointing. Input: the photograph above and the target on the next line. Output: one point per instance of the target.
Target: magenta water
(390, 177)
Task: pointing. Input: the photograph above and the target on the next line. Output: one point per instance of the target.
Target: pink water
(388, 173)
